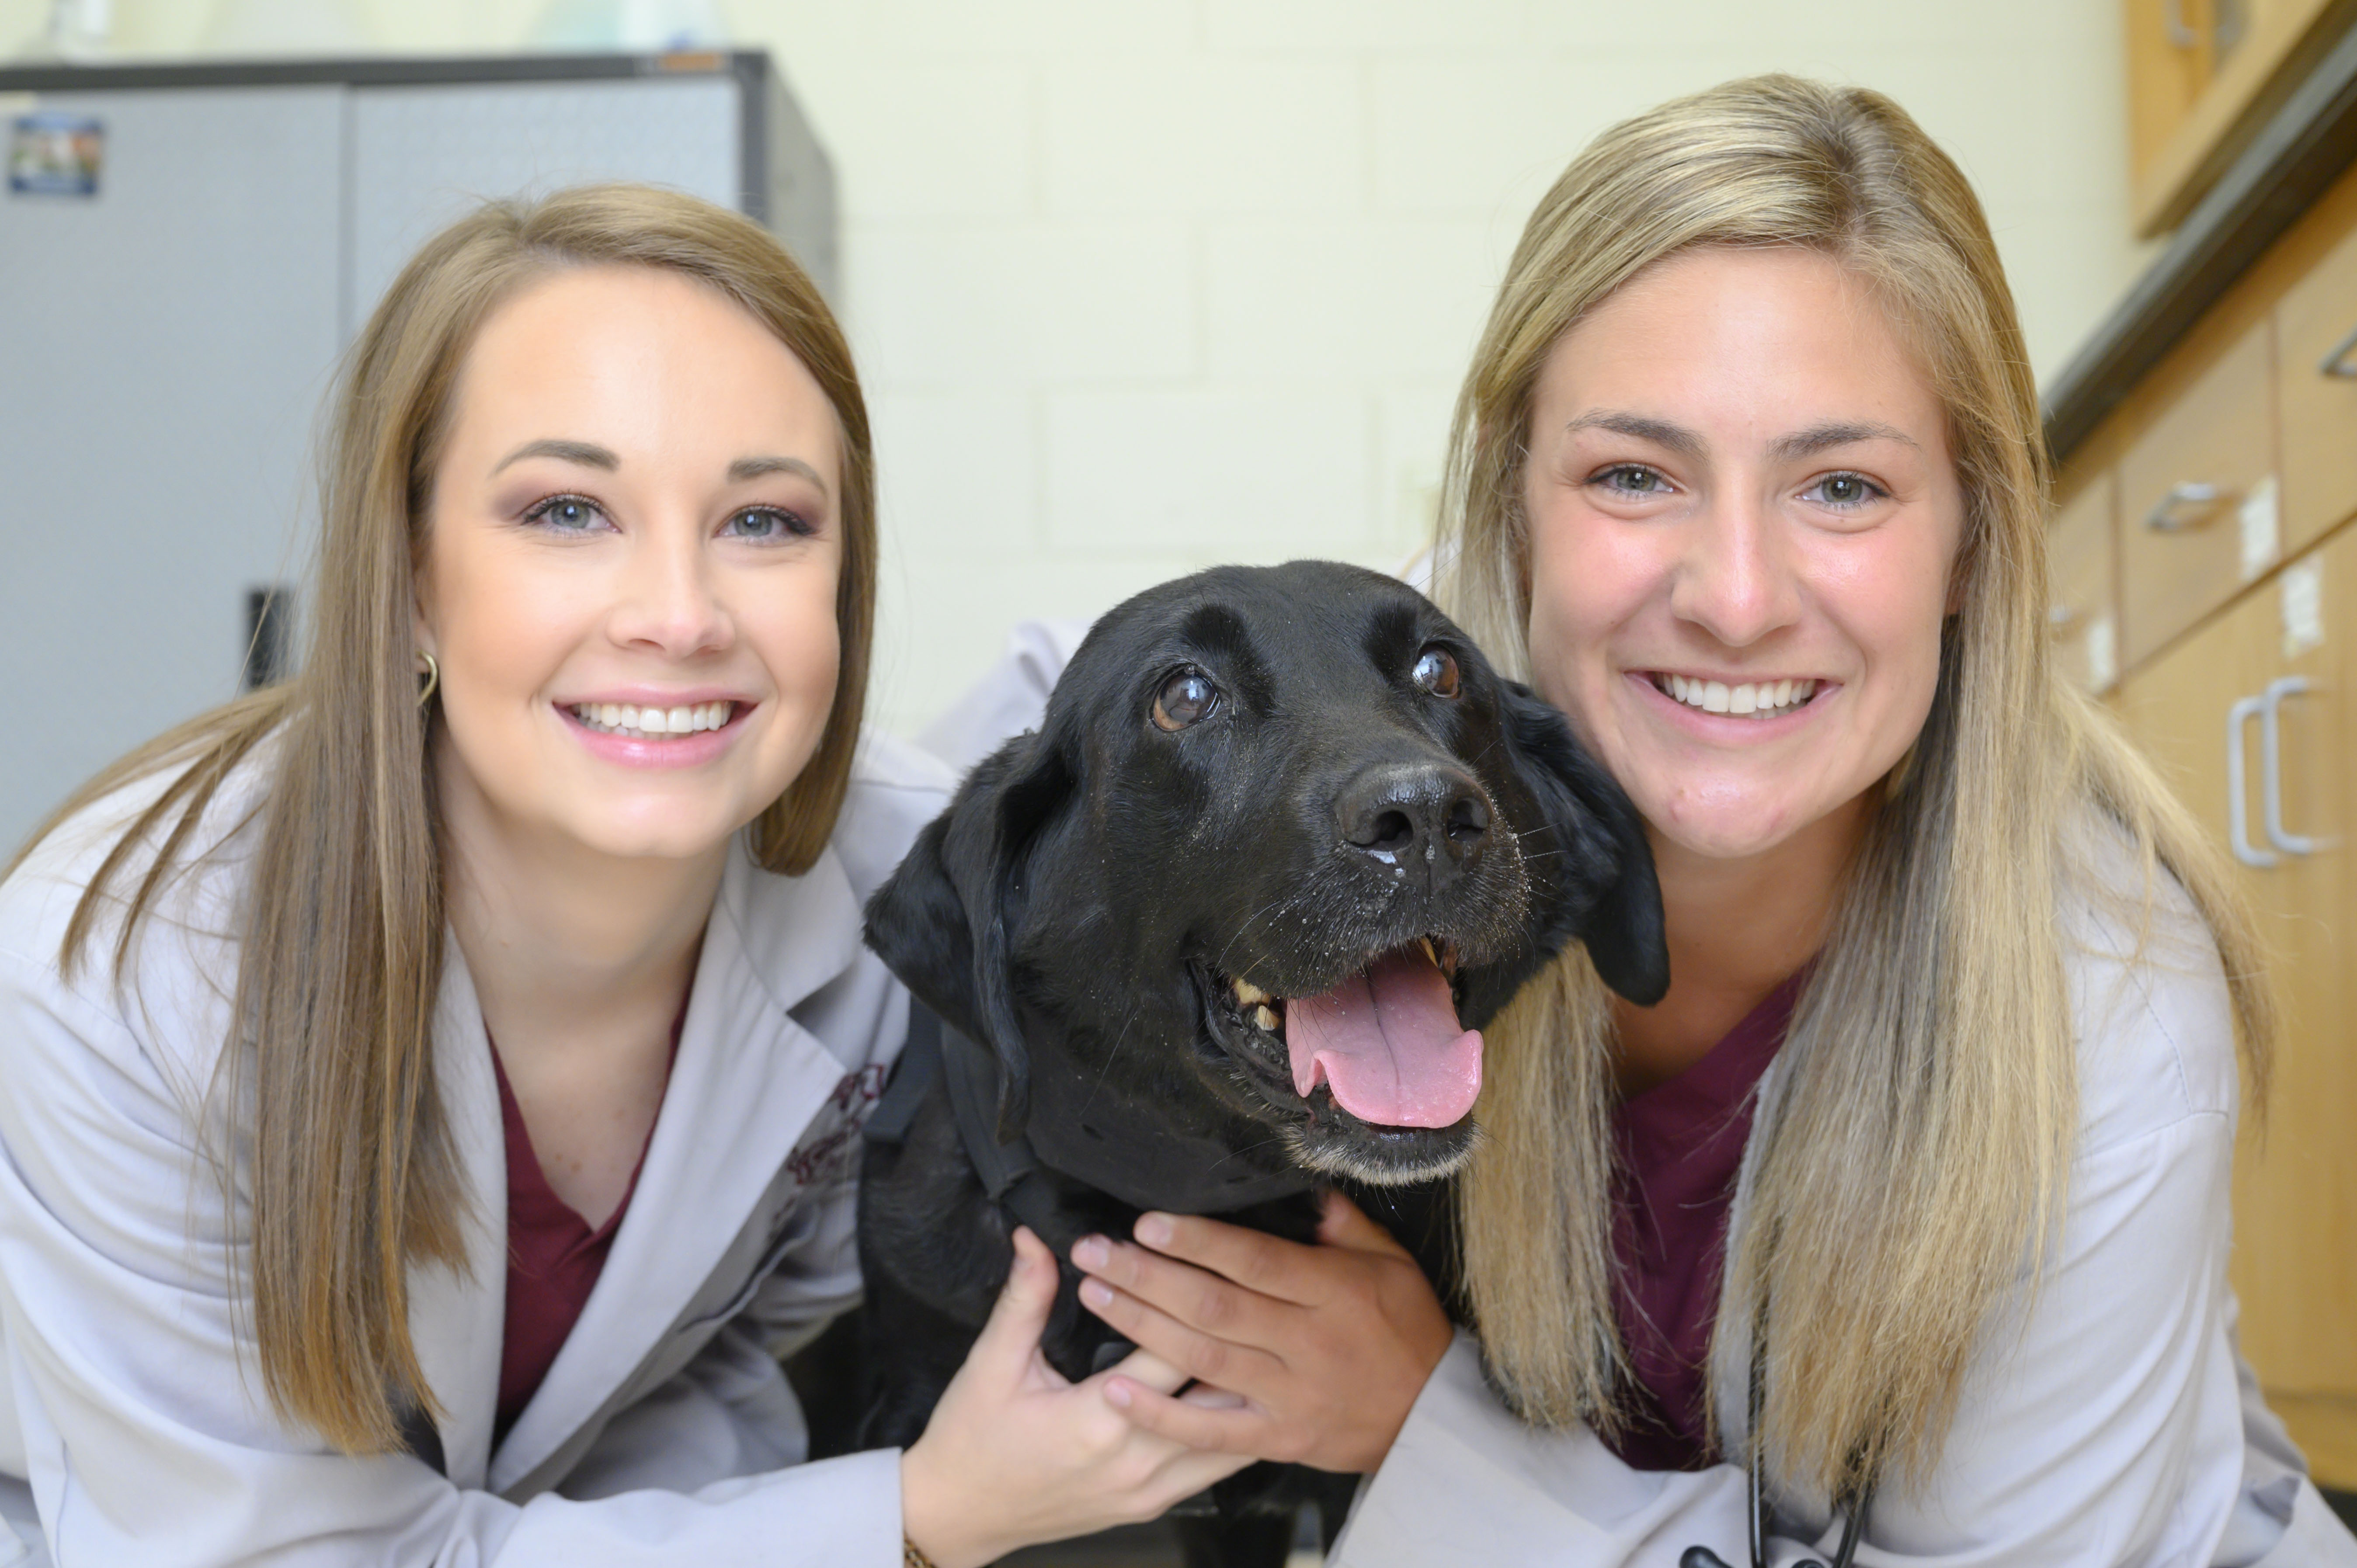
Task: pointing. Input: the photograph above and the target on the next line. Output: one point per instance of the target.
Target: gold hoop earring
(433, 678)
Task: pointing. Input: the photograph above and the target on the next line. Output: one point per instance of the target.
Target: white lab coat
(2115, 1423)
(2109, 1418)
(664, 1432)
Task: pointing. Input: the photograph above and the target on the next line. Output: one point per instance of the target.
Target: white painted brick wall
(1139, 286)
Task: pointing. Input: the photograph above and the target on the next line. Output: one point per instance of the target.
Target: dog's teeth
(1426, 943)
(1248, 993)
(1265, 1017)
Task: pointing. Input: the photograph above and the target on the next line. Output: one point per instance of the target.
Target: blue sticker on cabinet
(54, 155)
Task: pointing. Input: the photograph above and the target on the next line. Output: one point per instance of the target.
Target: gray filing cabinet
(167, 340)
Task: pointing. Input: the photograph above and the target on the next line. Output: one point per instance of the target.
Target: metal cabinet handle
(2238, 835)
(2169, 514)
(2342, 363)
(2172, 16)
(2271, 765)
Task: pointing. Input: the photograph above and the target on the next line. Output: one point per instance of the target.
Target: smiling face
(1743, 518)
(630, 567)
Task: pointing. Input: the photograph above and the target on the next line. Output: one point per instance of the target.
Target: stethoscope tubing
(1756, 1497)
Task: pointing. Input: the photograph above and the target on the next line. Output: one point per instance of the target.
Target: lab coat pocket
(793, 1227)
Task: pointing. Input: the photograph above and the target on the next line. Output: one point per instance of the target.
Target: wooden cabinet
(2316, 395)
(2194, 488)
(2085, 615)
(2229, 473)
(2249, 716)
(2202, 74)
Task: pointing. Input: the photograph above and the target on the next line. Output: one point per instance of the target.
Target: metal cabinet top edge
(752, 66)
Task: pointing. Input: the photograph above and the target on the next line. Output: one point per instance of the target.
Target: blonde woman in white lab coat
(1911, 1200)
(432, 1088)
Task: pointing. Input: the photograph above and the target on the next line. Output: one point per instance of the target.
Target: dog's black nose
(1415, 814)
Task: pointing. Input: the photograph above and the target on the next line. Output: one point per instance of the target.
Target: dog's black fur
(1086, 903)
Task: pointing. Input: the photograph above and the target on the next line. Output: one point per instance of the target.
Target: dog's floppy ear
(941, 921)
(1602, 837)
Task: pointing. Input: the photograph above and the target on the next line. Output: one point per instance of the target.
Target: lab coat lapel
(747, 1081)
(457, 1319)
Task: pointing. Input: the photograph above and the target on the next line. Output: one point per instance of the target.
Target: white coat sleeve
(145, 1434)
(2106, 1428)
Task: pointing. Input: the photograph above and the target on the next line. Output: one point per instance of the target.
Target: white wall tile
(1147, 134)
(1411, 452)
(928, 140)
(1212, 475)
(1370, 300)
(989, 306)
(957, 476)
(1026, 27)
(1325, 26)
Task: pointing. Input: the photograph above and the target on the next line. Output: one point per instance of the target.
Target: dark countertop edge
(2307, 145)
(378, 70)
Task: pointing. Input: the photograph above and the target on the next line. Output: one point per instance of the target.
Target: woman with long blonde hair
(1899, 1229)
(433, 1087)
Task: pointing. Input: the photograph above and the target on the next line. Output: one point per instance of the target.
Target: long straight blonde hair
(1917, 1145)
(353, 1176)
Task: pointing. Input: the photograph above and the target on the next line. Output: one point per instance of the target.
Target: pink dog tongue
(1389, 1045)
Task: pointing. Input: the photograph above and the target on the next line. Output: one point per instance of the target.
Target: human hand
(1326, 1348)
(1015, 1455)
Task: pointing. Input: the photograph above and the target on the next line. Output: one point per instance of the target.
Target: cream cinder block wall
(1141, 285)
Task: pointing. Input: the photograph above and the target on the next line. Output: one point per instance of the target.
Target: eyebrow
(1660, 432)
(1836, 433)
(745, 468)
(1688, 444)
(589, 454)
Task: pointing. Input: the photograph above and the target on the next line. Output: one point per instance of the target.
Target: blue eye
(768, 522)
(1632, 479)
(1847, 490)
(566, 514)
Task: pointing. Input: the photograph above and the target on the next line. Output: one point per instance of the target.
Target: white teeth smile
(646, 724)
(1764, 699)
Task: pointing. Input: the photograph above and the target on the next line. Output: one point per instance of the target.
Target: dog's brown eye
(1187, 698)
(1435, 672)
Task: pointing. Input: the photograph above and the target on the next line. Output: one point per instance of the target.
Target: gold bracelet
(911, 1557)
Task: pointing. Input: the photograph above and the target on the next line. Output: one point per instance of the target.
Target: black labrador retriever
(1220, 933)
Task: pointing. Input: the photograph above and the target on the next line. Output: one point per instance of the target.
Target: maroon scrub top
(1681, 1145)
(554, 1257)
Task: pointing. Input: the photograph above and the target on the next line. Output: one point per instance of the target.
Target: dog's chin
(1339, 1144)
(1255, 1074)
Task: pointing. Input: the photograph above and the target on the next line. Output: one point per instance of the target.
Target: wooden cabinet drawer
(2082, 549)
(2190, 491)
(2315, 389)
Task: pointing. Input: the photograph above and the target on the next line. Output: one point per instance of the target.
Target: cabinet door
(2296, 1178)
(2198, 499)
(2316, 394)
(2084, 618)
(164, 346)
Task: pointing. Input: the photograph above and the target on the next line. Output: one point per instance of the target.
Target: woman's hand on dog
(1324, 1348)
(1015, 1455)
